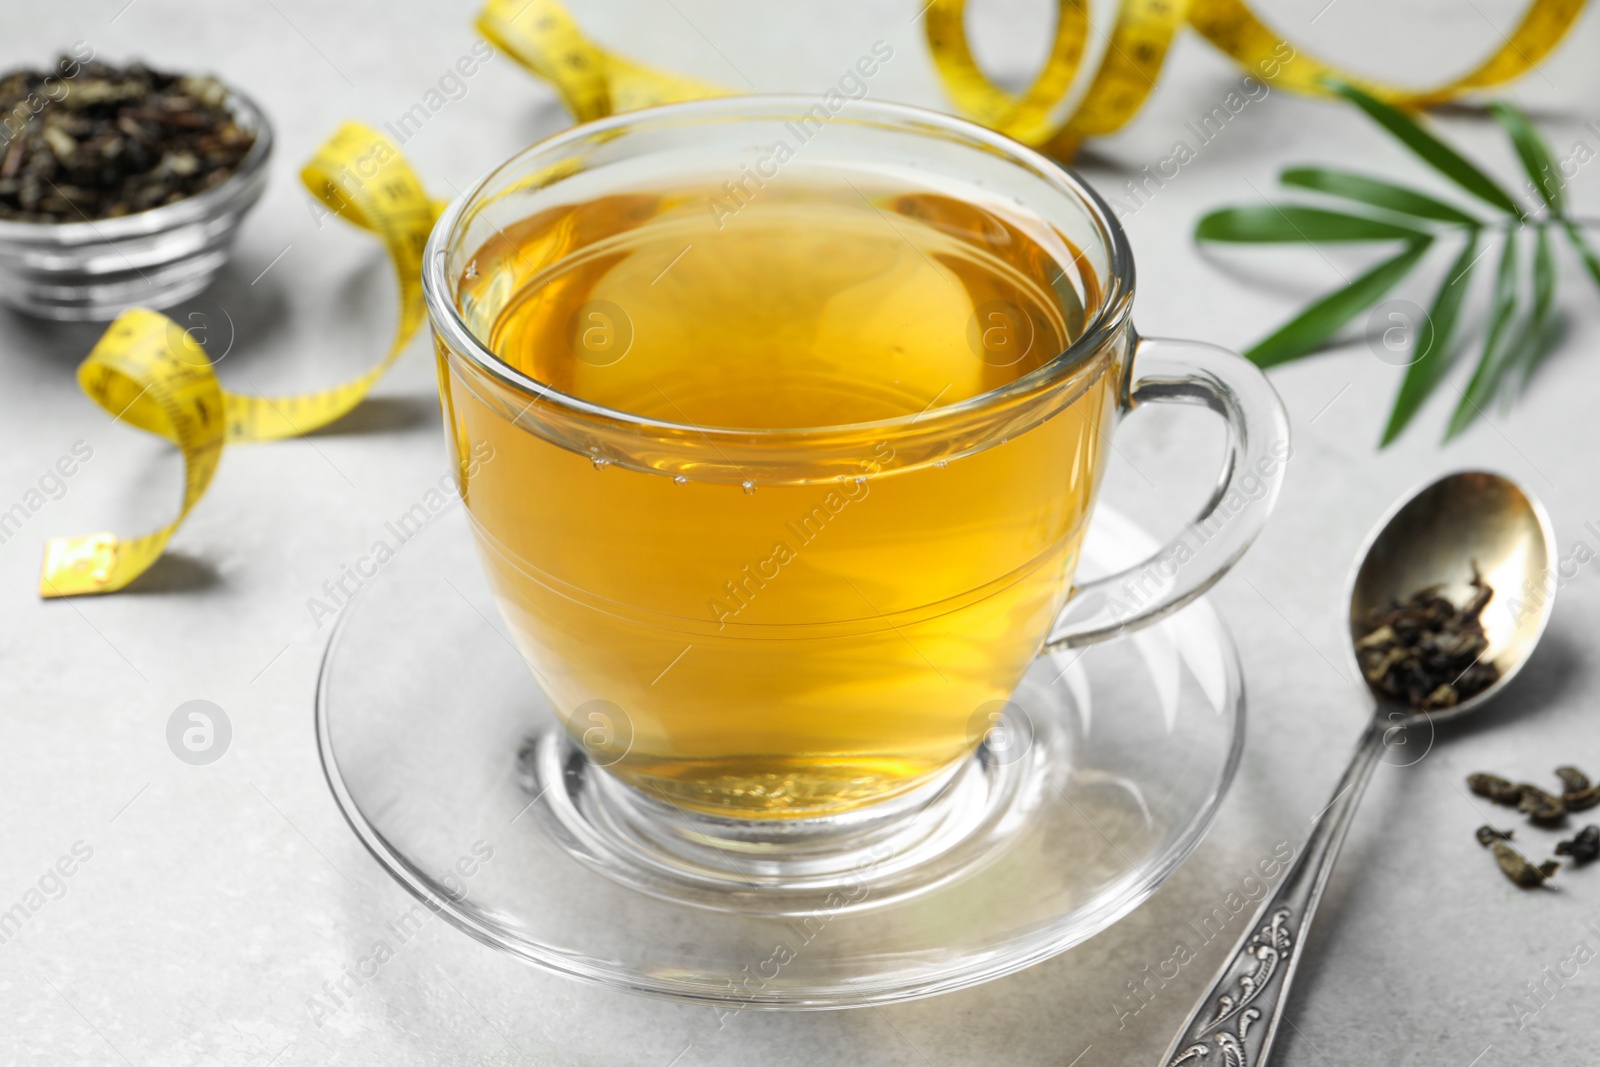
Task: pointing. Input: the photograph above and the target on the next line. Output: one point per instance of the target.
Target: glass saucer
(1094, 782)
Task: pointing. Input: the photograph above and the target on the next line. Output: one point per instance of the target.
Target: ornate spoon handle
(1237, 1018)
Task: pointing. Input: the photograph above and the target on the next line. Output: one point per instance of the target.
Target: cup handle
(1190, 372)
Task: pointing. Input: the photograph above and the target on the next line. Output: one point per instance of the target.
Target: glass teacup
(779, 436)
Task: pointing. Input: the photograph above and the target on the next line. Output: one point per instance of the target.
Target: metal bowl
(91, 271)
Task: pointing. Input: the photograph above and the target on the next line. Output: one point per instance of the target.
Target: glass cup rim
(1109, 317)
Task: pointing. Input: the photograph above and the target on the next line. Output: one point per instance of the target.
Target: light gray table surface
(219, 899)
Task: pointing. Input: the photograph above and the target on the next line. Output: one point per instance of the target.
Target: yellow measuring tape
(149, 372)
(593, 82)
(543, 37)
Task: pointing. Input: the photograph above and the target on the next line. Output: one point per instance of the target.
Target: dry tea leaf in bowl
(109, 141)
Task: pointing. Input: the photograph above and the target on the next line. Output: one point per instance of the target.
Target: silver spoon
(1435, 537)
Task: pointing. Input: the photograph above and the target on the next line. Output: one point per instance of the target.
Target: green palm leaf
(1519, 330)
(1440, 156)
(1376, 192)
(1591, 261)
(1310, 329)
(1434, 354)
(1535, 155)
(1265, 223)
(1535, 345)
(1492, 364)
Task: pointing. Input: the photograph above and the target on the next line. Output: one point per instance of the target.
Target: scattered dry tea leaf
(1582, 801)
(1498, 789)
(1488, 835)
(1519, 870)
(1544, 808)
(1584, 848)
(1427, 652)
(1572, 779)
